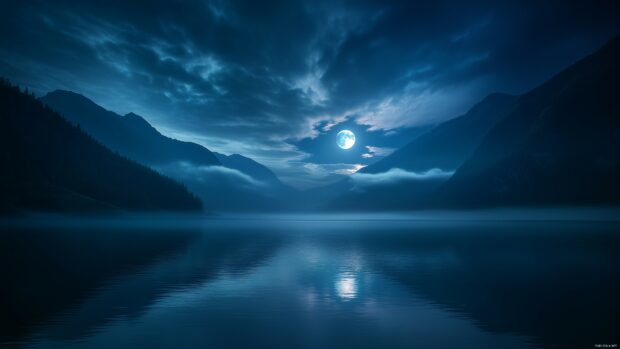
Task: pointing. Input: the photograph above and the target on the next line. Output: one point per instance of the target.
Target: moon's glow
(345, 139)
(346, 286)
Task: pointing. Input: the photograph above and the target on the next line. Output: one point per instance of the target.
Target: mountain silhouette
(249, 167)
(444, 147)
(130, 135)
(559, 145)
(222, 182)
(51, 165)
(449, 144)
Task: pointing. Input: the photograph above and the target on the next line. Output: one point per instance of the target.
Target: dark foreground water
(310, 282)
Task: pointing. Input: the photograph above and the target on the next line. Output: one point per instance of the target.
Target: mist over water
(477, 279)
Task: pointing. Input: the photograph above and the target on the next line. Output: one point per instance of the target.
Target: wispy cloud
(341, 169)
(397, 175)
(377, 151)
(215, 174)
(350, 169)
(417, 105)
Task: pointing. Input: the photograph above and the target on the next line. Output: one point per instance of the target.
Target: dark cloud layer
(271, 79)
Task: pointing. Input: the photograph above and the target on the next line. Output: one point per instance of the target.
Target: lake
(315, 281)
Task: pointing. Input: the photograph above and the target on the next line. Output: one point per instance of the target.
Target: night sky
(275, 80)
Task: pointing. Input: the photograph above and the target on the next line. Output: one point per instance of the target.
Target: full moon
(345, 139)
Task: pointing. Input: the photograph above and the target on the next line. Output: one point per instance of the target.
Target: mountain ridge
(51, 165)
(443, 148)
(193, 164)
(449, 144)
(130, 135)
(560, 145)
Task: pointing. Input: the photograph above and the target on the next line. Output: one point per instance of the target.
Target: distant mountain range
(407, 177)
(223, 182)
(130, 135)
(558, 144)
(50, 165)
(449, 144)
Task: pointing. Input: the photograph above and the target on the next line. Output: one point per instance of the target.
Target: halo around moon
(345, 139)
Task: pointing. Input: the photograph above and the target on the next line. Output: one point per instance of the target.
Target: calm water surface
(311, 283)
